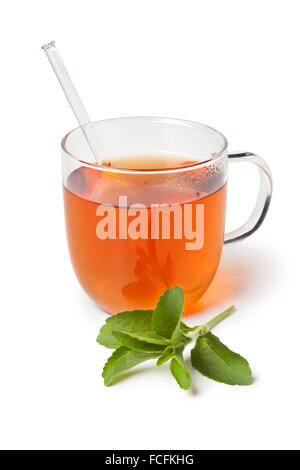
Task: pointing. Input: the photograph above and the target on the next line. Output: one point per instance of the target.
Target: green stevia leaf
(134, 320)
(149, 337)
(185, 328)
(214, 360)
(180, 372)
(167, 314)
(167, 354)
(121, 360)
(140, 343)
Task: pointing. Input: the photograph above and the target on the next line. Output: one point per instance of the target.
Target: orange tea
(166, 229)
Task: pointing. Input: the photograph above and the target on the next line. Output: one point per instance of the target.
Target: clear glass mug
(154, 218)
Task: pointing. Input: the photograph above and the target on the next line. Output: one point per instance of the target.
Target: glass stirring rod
(75, 102)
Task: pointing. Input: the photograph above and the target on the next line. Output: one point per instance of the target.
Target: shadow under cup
(152, 220)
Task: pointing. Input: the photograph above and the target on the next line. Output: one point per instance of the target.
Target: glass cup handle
(263, 199)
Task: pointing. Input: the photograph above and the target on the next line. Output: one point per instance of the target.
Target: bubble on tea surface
(206, 179)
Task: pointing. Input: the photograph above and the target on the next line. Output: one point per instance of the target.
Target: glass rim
(193, 166)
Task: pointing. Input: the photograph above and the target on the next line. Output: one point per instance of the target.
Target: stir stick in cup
(75, 102)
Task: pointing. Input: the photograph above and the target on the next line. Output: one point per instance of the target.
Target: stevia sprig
(141, 335)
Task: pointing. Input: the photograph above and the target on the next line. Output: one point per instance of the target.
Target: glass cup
(152, 216)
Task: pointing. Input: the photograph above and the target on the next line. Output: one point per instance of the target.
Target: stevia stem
(203, 329)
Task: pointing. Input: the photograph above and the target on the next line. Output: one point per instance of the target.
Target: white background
(231, 64)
